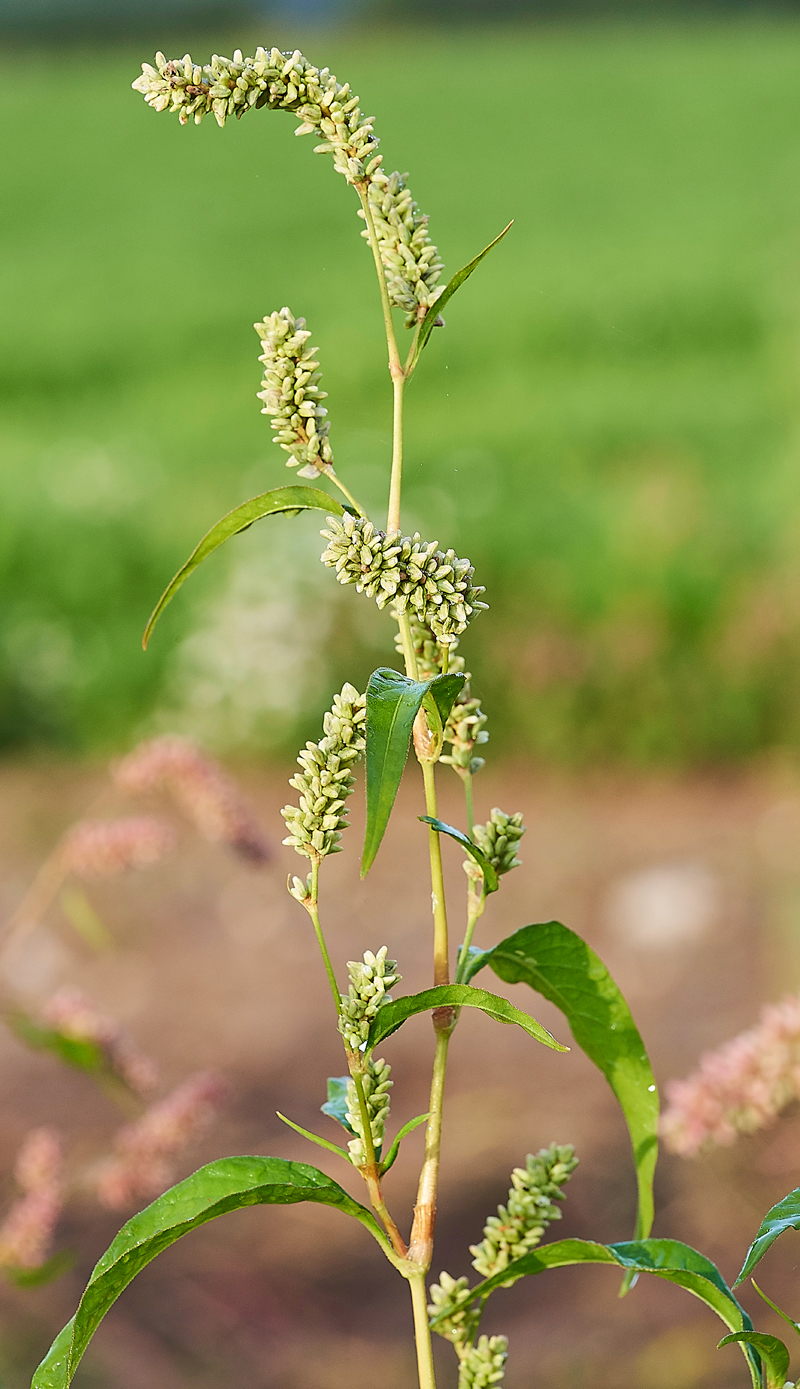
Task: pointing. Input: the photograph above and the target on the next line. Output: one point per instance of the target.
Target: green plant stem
(395, 485)
(467, 942)
(346, 490)
(370, 1171)
(467, 779)
(395, 365)
(422, 1332)
(409, 654)
(441, 952)
(313, 911)
(420, 1249)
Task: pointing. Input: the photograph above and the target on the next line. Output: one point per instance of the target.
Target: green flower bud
(370, 981)
(483, 1365)
(498, 839)
(291, 393)
(326, 778)
(411, 261)
(449, 1302)
(464, 730)
(519, 1225)
(433, 586)
(377, 1085)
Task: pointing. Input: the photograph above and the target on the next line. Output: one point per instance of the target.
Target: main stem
(396, 370)
(420, 1248)
(422, 1332)
(441, 952)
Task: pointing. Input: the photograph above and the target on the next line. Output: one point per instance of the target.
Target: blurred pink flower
(101, 848)
(204, 792)
(147, 1151)
(738, 1088)
(27, 1231)
(72, 1014)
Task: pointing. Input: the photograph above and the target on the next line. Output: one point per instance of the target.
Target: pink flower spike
(200, 787)
(147, 1151)
(102, 848)
(74, 1015)
(27, 1231)
(740, 1087)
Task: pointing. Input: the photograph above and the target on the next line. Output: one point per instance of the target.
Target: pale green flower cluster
(283, 82)
(377, 1085)
(416, 575)
(370, 982)
(291, 393)
(326, 781)
(411, 261)
(483, 1365)
(498, 840)
(464, 729)
(450, 1299)
(520, 1224)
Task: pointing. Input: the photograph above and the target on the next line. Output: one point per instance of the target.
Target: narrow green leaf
(489, 874)
(394, 1014)
(313, 1137)
(287, 500)
(772, 1351)
(226, 1185)
(429, 321)
(784, 1216)
(665, 1258)
(559, 965)
(790, 1321)
(393, 702)
(73, 1051)
(395, 1148)
(336, 1104)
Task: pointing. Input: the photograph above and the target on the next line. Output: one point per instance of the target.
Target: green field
(608, 426)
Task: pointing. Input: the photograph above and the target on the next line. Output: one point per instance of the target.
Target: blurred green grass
(608, 425)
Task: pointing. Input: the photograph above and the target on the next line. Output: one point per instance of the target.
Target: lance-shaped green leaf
(665, 1258)
(784, 1216)
(773, 1353)
(393, 702)
(790, 1321)
(429, 321)
(287, 501)
(559, 965)
(227, 1185)
(489, 874)
(393, 1015)
(408, 1128)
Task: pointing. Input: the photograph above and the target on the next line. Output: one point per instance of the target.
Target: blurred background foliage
(608, 426)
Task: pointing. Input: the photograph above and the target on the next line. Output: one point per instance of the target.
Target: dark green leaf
(393, 702)
(772, 1351)
(73, 1051)
(287, 500)
(784, 1216)
(45, 1273)
(227, 1185)
(393, 1015)
(336, 1104)
(429, 321)
(669, 1259)
(559, 965)
(395, 1148)
(489, 874)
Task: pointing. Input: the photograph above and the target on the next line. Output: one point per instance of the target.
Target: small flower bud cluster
(483, 1365)
(291, 394)
(27, 1231)
(449, 1302)
(464, 729)
(410, 259)
(377, 1085)
(70, 1013)
(208, 797)
(519, 1225)
(315, 826)
(146, 1151)
(417, 576)
(102, 848)
(281, 81)
(498, 840)
(370, 982)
